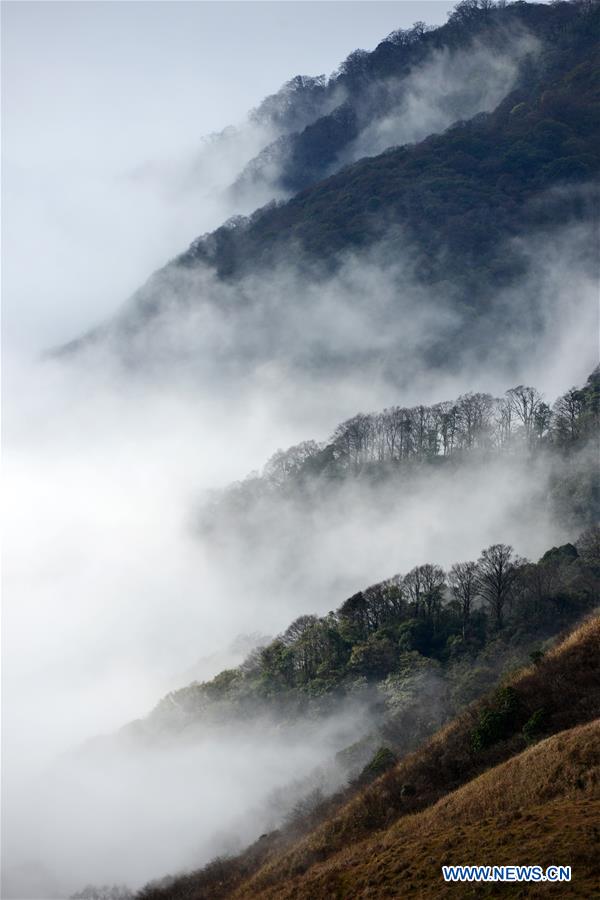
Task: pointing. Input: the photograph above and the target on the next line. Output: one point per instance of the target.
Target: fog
(111, 595)
(448, 87)
(127, 814)
(106, 112)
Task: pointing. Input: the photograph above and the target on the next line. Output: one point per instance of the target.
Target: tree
(525, 402)
(433, 579)
(497, 572)
(295, 631)
(588, 545)
(413, 585)
(474, 414)
(463, 581)
(354, 618)
(276, 666)
(286, 463)
(567, 412)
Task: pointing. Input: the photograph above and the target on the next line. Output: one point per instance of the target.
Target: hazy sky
(100, 99)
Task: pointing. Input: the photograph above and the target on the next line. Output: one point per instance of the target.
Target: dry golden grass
(566, 684)
(502, 805)
(540, 808)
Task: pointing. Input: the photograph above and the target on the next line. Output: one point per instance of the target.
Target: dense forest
(454, 213)
(309, 153)
(463, 191)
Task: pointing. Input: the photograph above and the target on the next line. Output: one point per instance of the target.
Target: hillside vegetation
(454, 214)
(400, 444)
(460, 194)
(542, 805)
(497, 797)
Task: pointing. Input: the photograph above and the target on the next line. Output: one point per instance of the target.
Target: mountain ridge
(452, 207)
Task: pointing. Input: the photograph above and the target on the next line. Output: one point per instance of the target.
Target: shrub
(383, 760)
(533, 728)
(496, 722)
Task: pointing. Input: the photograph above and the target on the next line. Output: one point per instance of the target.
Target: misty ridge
(326, 517)
(424, 248)
(421, 225)
(417, 82)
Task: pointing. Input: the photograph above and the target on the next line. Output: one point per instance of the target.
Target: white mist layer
(109, 595)
(449, 87)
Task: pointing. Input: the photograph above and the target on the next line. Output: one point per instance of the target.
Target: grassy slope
(538, 808)
(384, 828)
(566, 685)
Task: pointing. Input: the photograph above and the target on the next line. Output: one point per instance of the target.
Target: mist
(106, 471)
(107, 468)
(449, 87)
(112, 593)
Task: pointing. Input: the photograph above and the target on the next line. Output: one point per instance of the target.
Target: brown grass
(566, 684)
(464, 806)
(541, 807)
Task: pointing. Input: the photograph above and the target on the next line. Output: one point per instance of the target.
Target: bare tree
(463, 581)
(295, 631)
(413, 585)
(497, 573)
(433, 580)
(525, 403)
(567, 414)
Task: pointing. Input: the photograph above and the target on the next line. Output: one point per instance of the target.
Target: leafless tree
(525, 403)
(567, 414)
(497, 573)
(463, 581)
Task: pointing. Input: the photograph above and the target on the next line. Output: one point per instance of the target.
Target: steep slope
(448, 224)
(453, 796)
(456, 71)
(541, 807)
(460, 190)
(449, 760)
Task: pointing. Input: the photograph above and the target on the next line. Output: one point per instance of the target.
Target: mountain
(512, 780)
(372, 95)
(432, 219)
(455, 225)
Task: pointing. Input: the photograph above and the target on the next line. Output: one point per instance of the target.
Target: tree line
(435, 612)
(521, 418)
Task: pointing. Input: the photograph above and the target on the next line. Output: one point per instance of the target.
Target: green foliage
(496, 722)
(375, 657)
(380, 647)
(383, 759)
(533, 727)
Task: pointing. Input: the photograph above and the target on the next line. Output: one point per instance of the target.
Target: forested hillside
(388, 465)
(415, 635)
(370, 838)
(463, 215)
(367, 443)
(416, 649)
(463, 191)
